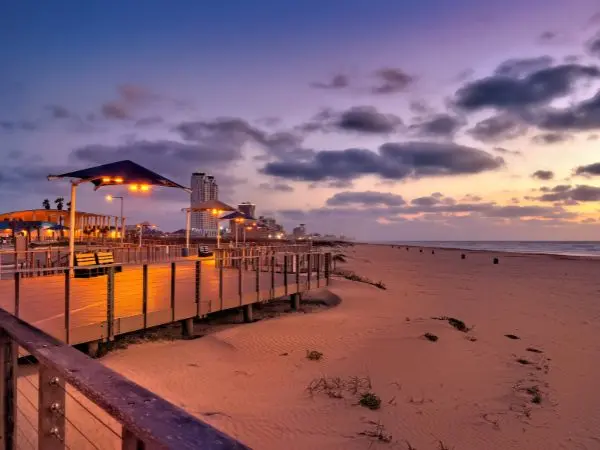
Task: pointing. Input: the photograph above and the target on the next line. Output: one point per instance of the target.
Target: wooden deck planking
(42, 299)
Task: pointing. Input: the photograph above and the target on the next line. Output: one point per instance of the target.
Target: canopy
(237, 215)
(120, 172)
(209, 205)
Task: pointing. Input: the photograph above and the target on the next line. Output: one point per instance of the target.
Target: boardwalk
(42, 299)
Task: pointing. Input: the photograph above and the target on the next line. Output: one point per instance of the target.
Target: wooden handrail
(150, 418)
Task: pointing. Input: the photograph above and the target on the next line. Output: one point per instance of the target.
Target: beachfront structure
(299, 232)
(204, 188)
(85, 223)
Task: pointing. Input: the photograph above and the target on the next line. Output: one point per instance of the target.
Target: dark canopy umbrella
(237, 215)
(120, 172)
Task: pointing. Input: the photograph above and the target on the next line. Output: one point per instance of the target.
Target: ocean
(571, 248)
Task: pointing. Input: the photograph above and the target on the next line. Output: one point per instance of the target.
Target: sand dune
(469, 390)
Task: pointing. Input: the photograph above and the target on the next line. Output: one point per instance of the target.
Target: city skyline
(379, 120)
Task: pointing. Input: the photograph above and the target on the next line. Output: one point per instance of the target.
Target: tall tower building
(204, 187)
(248, 209)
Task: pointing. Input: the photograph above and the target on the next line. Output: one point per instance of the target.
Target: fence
(69, 401)
(35, 262)
(80, 310)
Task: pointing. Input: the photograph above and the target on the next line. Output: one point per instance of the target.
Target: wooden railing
(146, 295)
(67, 400)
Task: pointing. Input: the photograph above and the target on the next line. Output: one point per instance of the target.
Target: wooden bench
(85, 265)
(204, 252)
(107, 258)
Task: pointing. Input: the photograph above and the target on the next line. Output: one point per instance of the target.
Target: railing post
(197, 279)
(67, 306)
(17, 292)
(240, 282)
(130, 441)
(145, 294)
(221, 284)
(285, 272)
(8, 392)
(318, 261)
(272, 275)
(327, 268)
(309, 270)
(297, 255)
(51, 412)
(258, 278)
(173, 276)
(110, 303)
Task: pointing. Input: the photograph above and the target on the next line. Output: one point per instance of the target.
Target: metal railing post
(240, 282)
(110, 302)
(318, 262)
(198, 280)
(221, 284)
(51, 409)
(8, 392)
(297, 255)
(145, 294)
(328, 268)
(258, 278)
(285, 273)
(17, 292)
(173, 276)
(67, 307)
(272, 274)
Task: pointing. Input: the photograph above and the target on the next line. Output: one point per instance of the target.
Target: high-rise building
(204, 187)
(248, 209)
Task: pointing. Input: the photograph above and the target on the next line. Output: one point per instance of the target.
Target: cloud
(339, 81)
(505, 151)
(366, 119)
(588, 170)
(593, 46)
(21, 125)
(230, 134)
(365, 198)
(392, 80)
(130, 99)
(538, 88)
(551, 138)
(579, 193)
(582, 116)
(543, 175)
(357, 119)
(59, 112)
(281, 187)
(548, 36)
(167, 157)
(149, 121)
(520, 67)
(439, 125)
(497, 128)
(394, 161)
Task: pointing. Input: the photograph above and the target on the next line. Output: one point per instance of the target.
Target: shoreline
(510, 253)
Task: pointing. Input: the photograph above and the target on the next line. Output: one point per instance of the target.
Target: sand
(467, 390)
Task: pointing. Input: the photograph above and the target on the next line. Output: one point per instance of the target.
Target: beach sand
(467, 390)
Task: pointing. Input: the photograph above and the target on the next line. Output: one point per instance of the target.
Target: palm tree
(60, 201)
(46, 204)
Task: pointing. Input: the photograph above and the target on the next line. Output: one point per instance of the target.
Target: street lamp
(238, 221)
(216, 213)
(110, 198)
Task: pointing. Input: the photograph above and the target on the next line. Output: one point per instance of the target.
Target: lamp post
(110, 198)
(217, 213)
(238, 221)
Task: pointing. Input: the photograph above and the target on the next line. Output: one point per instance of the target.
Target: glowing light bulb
(118, 180)
(144, 188)
(133, 187)
(106, 179)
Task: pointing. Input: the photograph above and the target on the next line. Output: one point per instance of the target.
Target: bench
(85, 265)
(204, 252)
(107, 258)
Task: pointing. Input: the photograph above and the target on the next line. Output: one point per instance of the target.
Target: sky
(377, 119)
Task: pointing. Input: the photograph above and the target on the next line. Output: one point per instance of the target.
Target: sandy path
(251, 380)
